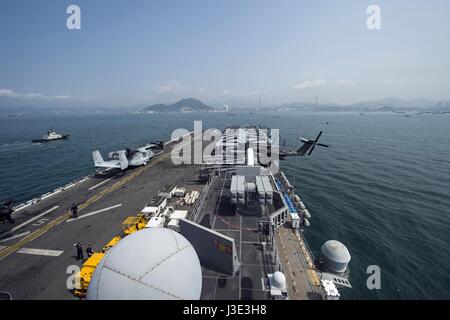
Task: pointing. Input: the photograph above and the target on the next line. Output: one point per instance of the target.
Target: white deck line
(32, 219)
(94, 212)
(100, 184)
(41, 252)
(16, 236)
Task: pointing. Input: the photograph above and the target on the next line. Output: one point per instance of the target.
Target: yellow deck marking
(313, 277)
(18, 245)
(311, 273)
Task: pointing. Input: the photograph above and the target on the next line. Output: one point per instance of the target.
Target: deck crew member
(80, 255)
(74, 210)
(89, 251)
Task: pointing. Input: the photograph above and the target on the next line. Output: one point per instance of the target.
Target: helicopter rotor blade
(310, 151)
(318, 137)
(323, 145)
(315, 143)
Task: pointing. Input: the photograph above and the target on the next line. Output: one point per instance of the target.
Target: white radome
(335, 256)
(151, 264)
(279, 280)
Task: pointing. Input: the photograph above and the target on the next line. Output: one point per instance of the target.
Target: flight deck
(34, 266)
(37, 252)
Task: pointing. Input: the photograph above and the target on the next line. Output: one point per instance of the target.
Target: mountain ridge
(183, 105)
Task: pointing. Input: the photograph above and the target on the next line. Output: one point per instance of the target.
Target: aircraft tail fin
(123, 160)
(97, 157)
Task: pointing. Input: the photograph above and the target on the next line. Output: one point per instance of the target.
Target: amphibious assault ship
(238, 213)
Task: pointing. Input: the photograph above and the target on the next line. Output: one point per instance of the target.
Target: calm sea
(383, 188)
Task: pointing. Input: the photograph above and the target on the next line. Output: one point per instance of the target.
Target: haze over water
(382, 188)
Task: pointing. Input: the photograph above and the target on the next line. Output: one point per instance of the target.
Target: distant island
(184, 105)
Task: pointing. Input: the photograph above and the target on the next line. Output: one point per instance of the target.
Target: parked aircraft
(124, 158)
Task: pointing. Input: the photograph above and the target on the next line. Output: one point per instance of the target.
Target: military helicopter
(6, 210)
(308, 147)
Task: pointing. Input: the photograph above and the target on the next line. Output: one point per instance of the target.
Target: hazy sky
(222, 51)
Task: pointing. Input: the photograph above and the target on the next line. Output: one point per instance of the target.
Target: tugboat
(51, 136)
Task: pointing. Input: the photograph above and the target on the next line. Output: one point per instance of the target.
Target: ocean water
(383, 188)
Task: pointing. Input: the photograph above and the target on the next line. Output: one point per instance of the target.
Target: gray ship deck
(301, 276)
(34, 258)
(41, 274)
(247, 284)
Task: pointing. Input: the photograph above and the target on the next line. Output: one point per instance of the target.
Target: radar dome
(151, 264)
(279, 280)
(335, 256)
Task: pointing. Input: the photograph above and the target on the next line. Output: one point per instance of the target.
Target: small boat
(51, 136)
